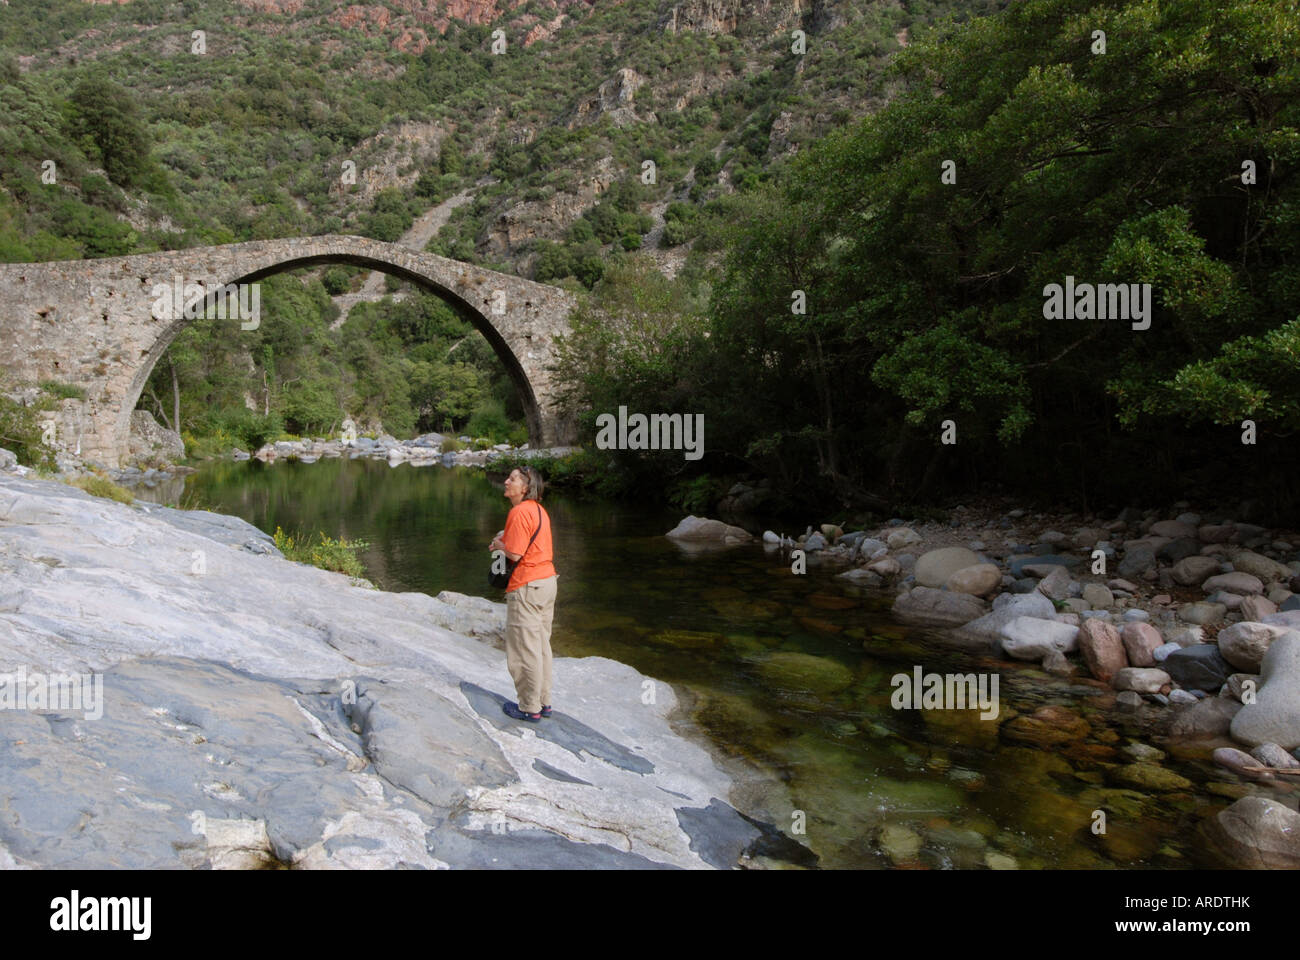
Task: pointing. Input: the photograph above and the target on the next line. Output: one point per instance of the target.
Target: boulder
(1235, 582)
(1173, 529)
(1274, 717)
(1102, 649)
(1137, 559)
(1241, 763)
(941, 608)
(1007, 607)
(1244, 644)
(704, 530)
(1257, 565)
(1028, 638)
(1098, 595)
(934, 567)
(1257, 608)
(1257, 833)
(1140, 679)
(149, 439)
(1193, 570)
(901, 537)
(1199, 667)
(1206, 720)
(1271, 755)
(1056, 584)
(1202, 613)
(979, 580)
(1140, 642)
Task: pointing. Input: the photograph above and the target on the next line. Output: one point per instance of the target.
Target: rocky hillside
(300, 116)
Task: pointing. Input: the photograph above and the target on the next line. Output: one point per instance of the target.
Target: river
(789, 673)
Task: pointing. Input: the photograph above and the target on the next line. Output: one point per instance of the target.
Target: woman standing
(530, 595)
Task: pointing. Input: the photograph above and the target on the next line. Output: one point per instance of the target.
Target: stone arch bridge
(93, 323)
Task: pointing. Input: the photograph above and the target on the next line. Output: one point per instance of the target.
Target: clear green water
(791, 673)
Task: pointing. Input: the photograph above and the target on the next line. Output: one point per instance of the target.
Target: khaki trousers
(528, 642)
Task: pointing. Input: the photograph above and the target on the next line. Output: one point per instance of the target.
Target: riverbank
(261, 713)
(1187, 622)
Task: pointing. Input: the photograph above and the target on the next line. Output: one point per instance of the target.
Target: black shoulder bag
(502, 580)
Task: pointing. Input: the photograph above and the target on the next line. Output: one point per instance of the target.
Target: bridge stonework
(90, 323)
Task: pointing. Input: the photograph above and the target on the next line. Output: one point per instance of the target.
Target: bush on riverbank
(98, 486)
(320, 550)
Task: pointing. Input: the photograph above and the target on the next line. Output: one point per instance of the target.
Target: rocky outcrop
(257, 712)
(151, 440)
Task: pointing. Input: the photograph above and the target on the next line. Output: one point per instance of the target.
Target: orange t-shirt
(535, 564)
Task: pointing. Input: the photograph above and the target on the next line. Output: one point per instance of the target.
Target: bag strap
(535, 533)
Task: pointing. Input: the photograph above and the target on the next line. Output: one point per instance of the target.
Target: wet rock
(1142, 753)
(1140, 641)
(1057, 665)
(1207, 719)
(863, 577)
(1241, 763)
(926, 605)
(1244, 644)
(1045, 727)
(1199, 667)
(886, 567)
(1140, 679)
(1007, 607)
(1274, 717)
(702, 529)
(1102, 649)
(1257, 833)
(1149, 776)
(1271, 755)
(1128, 701)
(899, 843)
(804, 672)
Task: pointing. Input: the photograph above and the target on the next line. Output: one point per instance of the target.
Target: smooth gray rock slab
(1274, 717)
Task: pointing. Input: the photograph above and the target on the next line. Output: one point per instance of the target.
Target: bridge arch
(90, 323)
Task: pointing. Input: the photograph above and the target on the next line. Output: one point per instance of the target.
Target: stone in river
(1244, 644)
(1141, 679)
(1271, 755)
(1140, 641)
(1102, 649)
(1274, 717)
(1240, 762)
(1198, 667)
(1257, 833)
(702, 529)
(926, 605)
(1028, 638)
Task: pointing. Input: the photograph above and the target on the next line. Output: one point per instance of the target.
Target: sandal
(511, 709)
(546, 711)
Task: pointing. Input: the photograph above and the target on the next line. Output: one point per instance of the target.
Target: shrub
(98, 486)
(339, 556)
